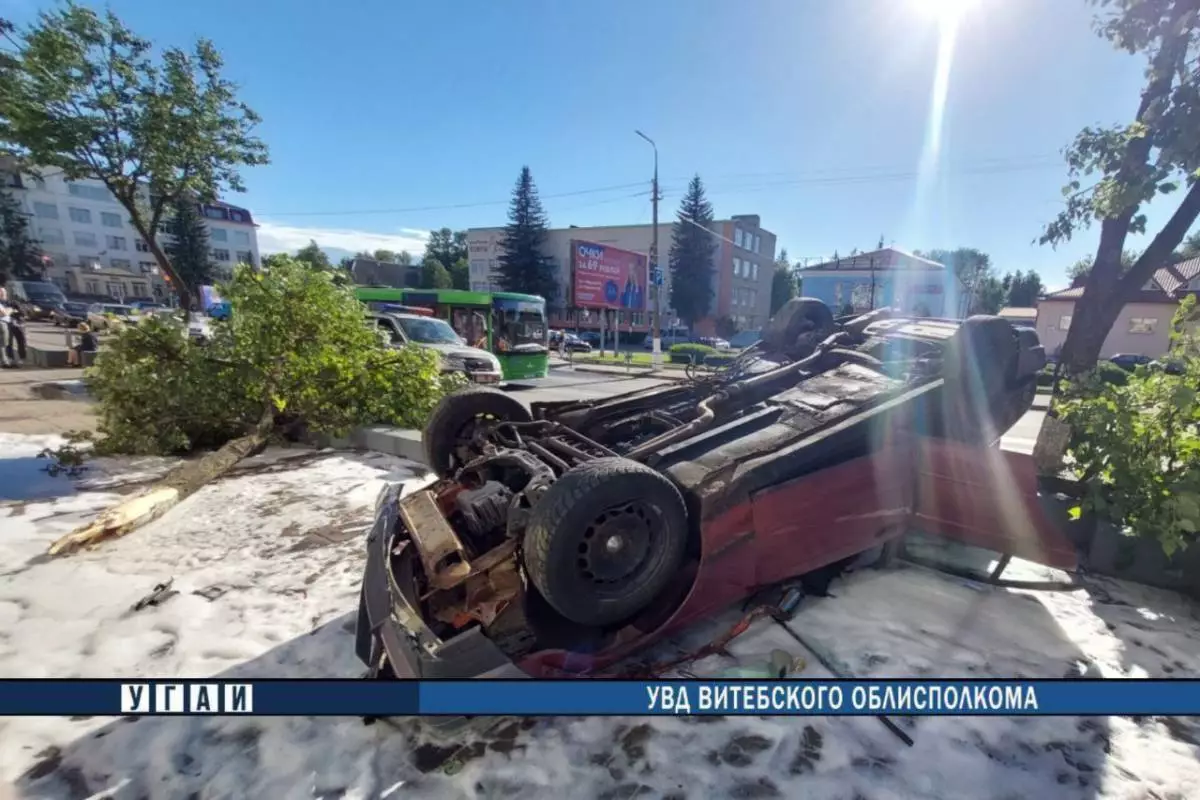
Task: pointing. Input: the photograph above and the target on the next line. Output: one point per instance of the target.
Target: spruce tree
(523, 267)
(189, 247)
(691, 257)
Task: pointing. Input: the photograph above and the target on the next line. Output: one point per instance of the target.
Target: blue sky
(812, 113)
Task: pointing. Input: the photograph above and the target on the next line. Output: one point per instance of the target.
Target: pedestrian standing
(5, 342)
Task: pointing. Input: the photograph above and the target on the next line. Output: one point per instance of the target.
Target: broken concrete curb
(399, 442)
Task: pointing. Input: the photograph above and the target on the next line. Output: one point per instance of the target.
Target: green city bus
(511, 326)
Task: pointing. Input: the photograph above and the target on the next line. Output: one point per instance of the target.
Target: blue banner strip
(596, 697)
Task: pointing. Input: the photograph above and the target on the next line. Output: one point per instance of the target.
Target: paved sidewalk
(22, 411)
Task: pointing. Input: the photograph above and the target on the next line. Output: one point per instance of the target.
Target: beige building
(1144, 324)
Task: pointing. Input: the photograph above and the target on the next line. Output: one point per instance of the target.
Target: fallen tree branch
(176, 485)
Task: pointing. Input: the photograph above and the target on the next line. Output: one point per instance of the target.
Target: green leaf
(1075, 513)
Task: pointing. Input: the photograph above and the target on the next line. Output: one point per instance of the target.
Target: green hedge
(690, 353)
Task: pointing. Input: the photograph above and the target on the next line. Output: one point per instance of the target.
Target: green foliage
(83, 94)
(295, 341)
(1081, 269)
(983, 292)
(523, 265)
(690, 353)
(783, 283)
(312, 256)
(1116, 171)
(189, 247)
(1111, 374)
(434, 275)
(19, 254)
(1022, 290)
(460, 274)
(691, 255)
(1136, 447)
(1190, 248)
(447, 246)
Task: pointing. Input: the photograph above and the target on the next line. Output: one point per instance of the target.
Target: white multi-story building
(92, 249)
(743, 265)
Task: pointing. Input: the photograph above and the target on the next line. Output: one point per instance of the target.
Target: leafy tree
(434, 274)
(447, 246)
(82, 93)
(982, 290)
(387, 256)
(189, 247)
(783, 282)
(1022, 290)
(460, 274)
(294, 354)
(1190, 248)
(1154, 155)
(404, 258)
(1081, 269)
(314, 257)
(19, 254)
(691, 255)
(727, 327)
(523, 266)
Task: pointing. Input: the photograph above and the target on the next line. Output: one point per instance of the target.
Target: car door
(989, 498)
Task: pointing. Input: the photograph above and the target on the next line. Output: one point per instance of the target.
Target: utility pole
(656, 292)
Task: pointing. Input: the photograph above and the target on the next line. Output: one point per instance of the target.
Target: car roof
(398, 315)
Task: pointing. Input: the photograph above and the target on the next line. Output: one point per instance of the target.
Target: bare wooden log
(160, 498)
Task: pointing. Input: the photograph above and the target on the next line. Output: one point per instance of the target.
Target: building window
(220, 254)
(146, 267)
(116, 242)
(84, 238)
(139, 289)
(120, 263)
(245, 257)
(737, 266)
(92, 287)
(141, 246)
(1142, 324)
(217, 234)
(51, 236)
(237, 216)
(212, 212)
(114, 290)
(81, 215)
(46, 210)
(737, 236)
(757, 242)
(241, 237)
(1064, 322)
(754, 270)
(90, 192)
(110, 220)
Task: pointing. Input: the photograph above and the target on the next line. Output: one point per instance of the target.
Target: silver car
(432, 333)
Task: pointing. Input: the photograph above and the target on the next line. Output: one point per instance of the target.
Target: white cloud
(276, 238)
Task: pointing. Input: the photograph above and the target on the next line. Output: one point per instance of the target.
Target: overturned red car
(561, 539)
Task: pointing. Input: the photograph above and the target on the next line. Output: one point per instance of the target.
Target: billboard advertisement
(606, 277)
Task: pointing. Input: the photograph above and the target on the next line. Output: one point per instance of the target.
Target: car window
(430, 331)
(388, 327)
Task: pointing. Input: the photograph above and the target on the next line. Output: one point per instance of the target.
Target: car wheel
(605, 540)
(799, 326)
(979, 369)
(450, 427)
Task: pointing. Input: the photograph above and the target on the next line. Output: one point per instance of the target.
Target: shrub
(295, 341)
(690, 353)
(1136, 446)
(1112, 374)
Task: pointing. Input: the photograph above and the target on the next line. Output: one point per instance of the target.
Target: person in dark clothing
(87, 344)
(15, 347)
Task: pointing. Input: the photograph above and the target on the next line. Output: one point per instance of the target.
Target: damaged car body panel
(561, 539)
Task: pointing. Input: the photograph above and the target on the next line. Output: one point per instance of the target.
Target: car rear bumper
(390, 630)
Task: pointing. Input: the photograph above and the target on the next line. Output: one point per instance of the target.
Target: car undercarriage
(563, 537)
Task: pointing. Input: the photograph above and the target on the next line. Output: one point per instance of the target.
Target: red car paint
(983, 497)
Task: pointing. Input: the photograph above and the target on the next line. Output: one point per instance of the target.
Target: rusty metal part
(483, 597)
(442, 553)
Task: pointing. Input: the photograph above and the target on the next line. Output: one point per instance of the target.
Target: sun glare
(942, 10)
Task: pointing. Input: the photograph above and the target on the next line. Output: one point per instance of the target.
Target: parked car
(69, 314)
(668, 338)
(435, 334)
(594, 529)
(110, 316)
(1129, 361)
(591, 337)
(569, 342)
(714, 342)
(1171, 366)
(744, 339)
(36, 299)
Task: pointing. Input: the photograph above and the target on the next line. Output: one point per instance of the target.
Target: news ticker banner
(598, 697)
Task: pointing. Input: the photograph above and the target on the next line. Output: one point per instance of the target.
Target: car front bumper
(390, 631)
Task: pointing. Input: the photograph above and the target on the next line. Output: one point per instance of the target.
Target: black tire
(598, 502)
(800, 316)
(980, 368)
(453, 418)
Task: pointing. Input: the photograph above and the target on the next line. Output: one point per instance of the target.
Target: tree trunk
(176, 485)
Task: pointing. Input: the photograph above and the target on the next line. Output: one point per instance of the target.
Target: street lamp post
(656, 357)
